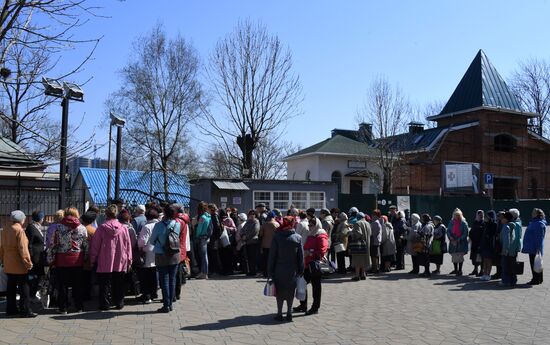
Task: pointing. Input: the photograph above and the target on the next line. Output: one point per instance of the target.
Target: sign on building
(461, 177)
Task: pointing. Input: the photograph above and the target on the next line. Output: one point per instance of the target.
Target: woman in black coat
(37, 251)
(285, 265)
(475, 234)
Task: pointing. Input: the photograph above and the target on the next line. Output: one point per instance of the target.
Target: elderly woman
(340, 236)
(400, 233)
(412, 232)
(315, 248)
(457, 231)
(111, 250)
(425, 237)
(285, 264)
(387, 246)
(511, 245)
(487, 244)
(68, 253)
(14, 254)
(249, 234)
(475, 240)
(533, 242)
(148, 271)
(359, 246)
(58, 216)
(37, 251)
(439, 245)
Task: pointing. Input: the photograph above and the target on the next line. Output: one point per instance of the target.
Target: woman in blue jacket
(533, 242)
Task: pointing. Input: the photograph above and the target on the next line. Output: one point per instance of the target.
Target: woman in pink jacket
(112, 252)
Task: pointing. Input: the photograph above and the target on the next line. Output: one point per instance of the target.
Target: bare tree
(388, 110)
(531, 85)
(159, 97)
(253, 84)
(33, 37)
(267, 160)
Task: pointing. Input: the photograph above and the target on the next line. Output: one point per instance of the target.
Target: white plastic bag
(3, 280)
(224, 238)
(537, 266)
(301, 287)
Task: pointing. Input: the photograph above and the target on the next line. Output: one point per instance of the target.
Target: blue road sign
(488, 179)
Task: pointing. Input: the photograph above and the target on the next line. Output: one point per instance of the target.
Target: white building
(346, 158)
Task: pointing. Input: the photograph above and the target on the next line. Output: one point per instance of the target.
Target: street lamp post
(66, 91)
(119, 123)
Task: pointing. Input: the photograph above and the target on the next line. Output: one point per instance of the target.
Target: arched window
(336, 177)
(505, 143)
(308, 175)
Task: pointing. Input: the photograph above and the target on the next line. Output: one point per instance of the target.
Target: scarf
(456, 228)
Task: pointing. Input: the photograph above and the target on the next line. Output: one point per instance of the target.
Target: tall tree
(256, 91)
(388, 110)
(34, 35)
(531, 85)
(159, 97)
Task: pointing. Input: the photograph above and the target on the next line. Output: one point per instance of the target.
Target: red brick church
(481, 130)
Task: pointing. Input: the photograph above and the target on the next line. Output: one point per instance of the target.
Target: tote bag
(224, 238)
(269, 288)
(301, 288)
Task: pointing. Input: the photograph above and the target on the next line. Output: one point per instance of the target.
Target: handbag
(301, 286)
(436, 248)
(537, 265)
(339, 247)
(224, 238)
(518, 267)
(269, 288)
(320, 267)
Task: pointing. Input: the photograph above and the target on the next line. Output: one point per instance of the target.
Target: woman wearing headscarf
(285, 264)
(400, 233)
(359, 246)
(387, 246)
(487, 244)
(15, 256)
(68, 254)
(315, 248)
(37, 251)
(226, 253)
(425, 237)
(457, 232)
(412, 232)
(267, 230)
(249, 234)
(475, 240)
(533, 242)
(439, 245)
(340, 235)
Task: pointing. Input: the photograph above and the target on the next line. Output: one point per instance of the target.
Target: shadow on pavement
(239, 321)
(100, 315)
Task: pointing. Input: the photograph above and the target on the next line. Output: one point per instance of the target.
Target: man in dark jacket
(214, 262)
(36, 249)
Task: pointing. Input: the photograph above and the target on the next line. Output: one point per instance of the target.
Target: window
(336, 177)
(317, 200)
(284, 199)
(505, 143)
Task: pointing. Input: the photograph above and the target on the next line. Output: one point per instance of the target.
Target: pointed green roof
(337, 144)
(481, 86)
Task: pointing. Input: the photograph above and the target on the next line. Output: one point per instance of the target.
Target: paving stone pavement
(394, 308)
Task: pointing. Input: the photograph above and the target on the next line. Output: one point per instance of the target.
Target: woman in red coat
(315, 248)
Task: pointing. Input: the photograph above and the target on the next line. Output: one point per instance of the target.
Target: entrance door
(356, 187)
(505, 188)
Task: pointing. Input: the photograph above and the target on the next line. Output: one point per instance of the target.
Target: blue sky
(338, 47)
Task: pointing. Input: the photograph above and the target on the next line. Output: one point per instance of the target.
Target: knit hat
(140, 208)
(360, 215)
(325, 211)
(438, 218)
(242, 217)
(37, 216)
(514, 212)
(18, 216)
(353, 210)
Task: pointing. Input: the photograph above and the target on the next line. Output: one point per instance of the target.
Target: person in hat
(328, 225)
(14, 254)
(267, 230)
(439, 245)
(352, 215)
(249, 234)
(261, 213)
(37, 250)
(359, 246)
(511, 245)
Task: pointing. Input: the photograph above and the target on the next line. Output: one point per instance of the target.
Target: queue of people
(160, 246)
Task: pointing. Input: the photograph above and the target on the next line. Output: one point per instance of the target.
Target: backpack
(172, 244)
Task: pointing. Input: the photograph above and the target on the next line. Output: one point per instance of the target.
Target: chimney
(416, 127)
(365, 132)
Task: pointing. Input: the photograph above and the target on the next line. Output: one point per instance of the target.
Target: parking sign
(488, 179)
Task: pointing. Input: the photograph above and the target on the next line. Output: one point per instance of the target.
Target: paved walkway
(387, 309)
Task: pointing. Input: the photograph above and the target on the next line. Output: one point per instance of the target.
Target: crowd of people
(138, 251)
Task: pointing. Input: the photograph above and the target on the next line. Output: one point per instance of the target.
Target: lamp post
(66, 91)
(119, 123)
